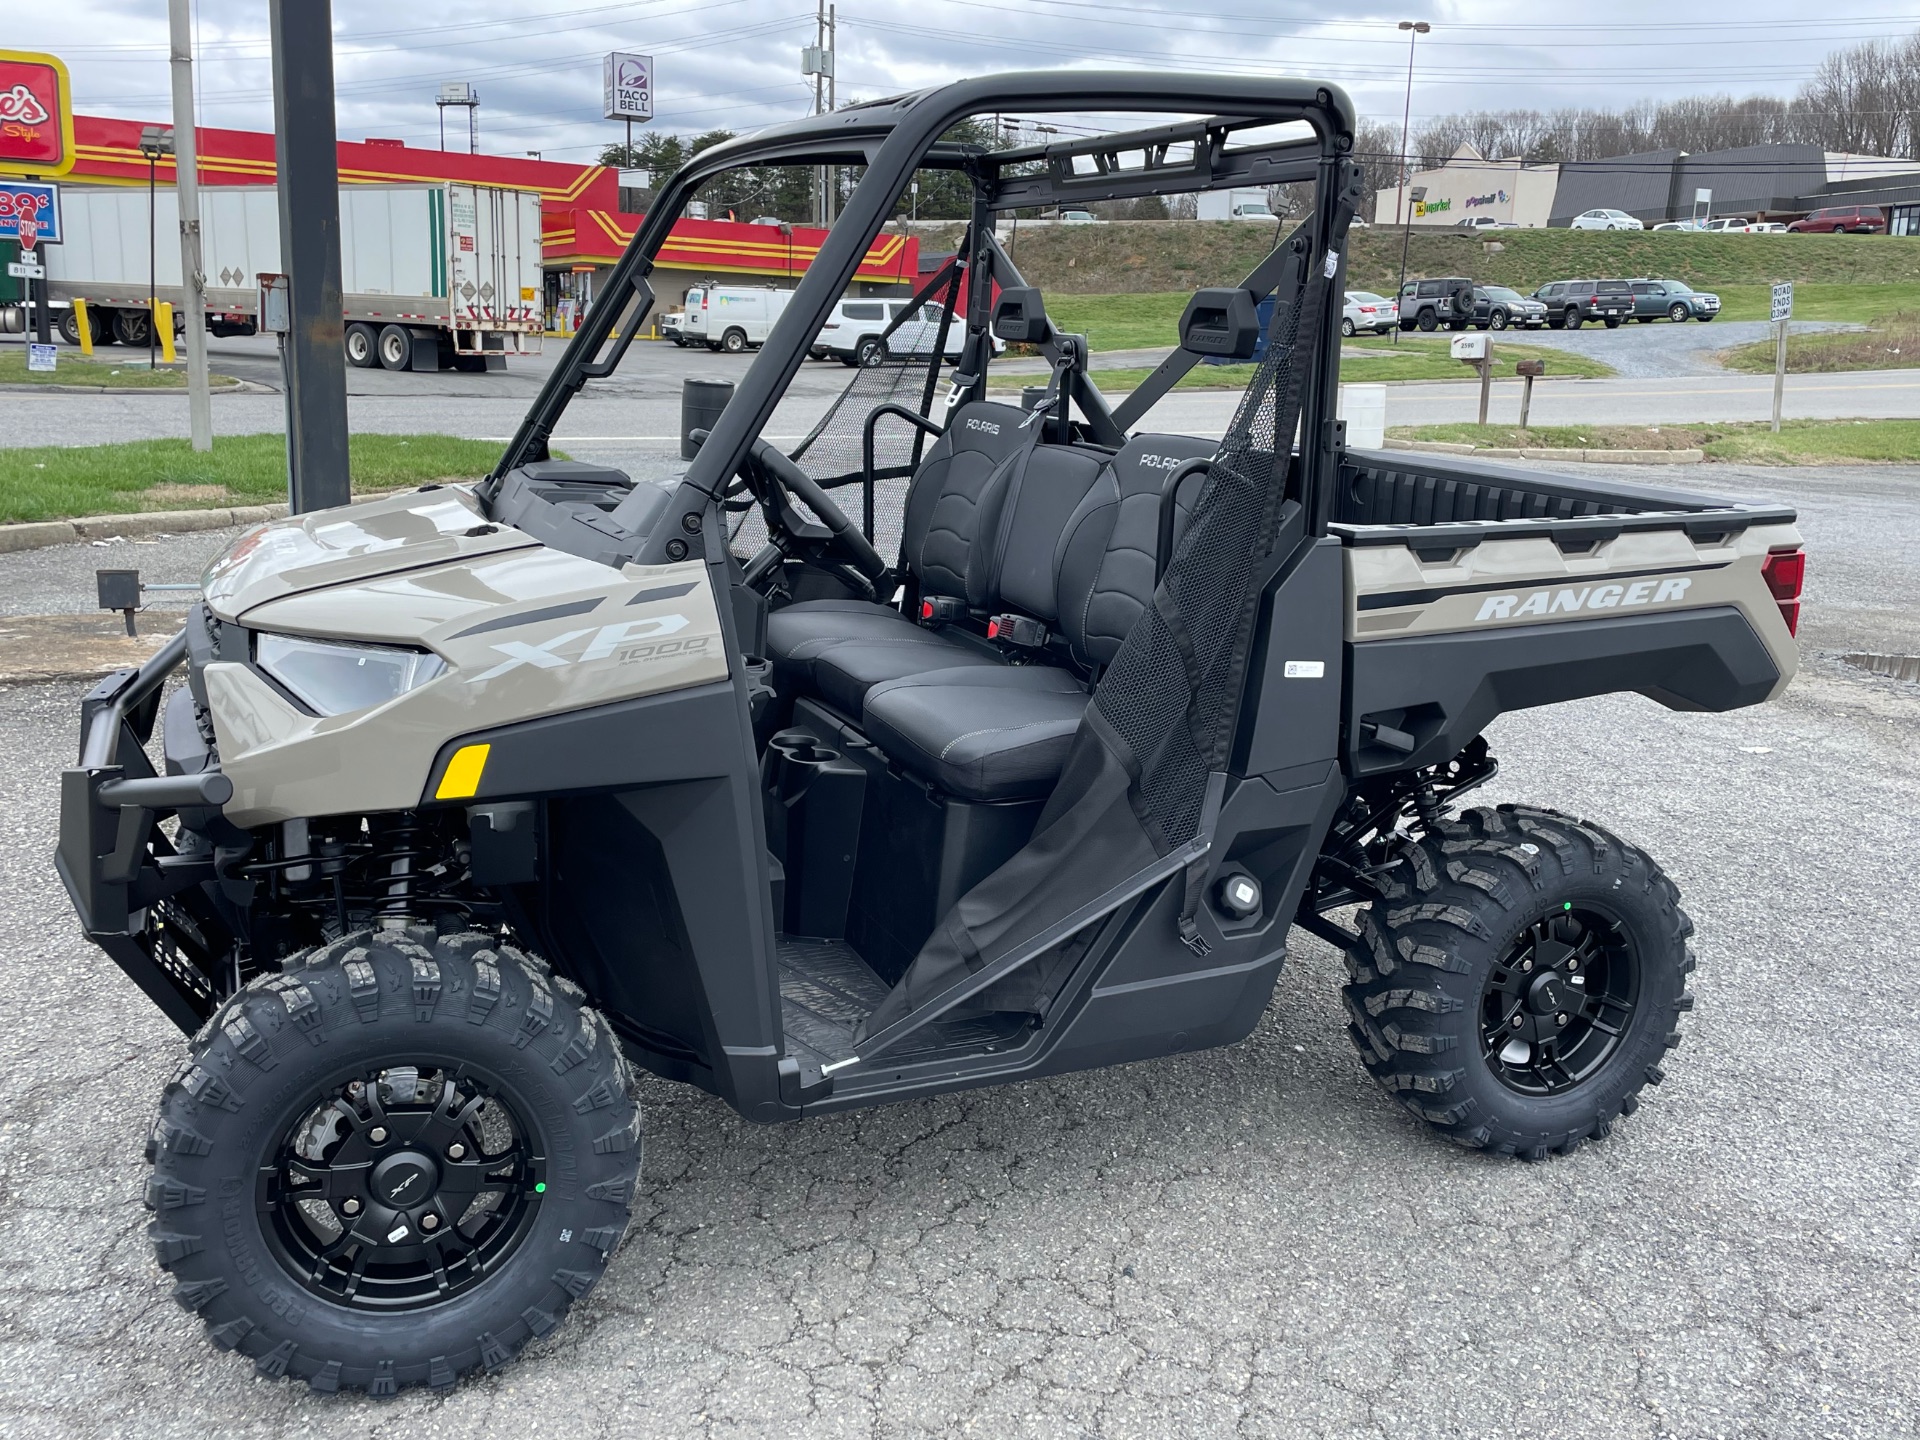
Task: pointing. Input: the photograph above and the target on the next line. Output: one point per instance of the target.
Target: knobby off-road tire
(1438, 966)
(364, 1061)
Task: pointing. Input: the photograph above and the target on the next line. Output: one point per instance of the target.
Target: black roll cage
(892, 138)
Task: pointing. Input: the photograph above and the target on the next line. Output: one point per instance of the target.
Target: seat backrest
(1044, 488)
(947, 535)
(1105, 561)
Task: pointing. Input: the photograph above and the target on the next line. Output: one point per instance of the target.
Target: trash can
(701, 402)
(1364, 408)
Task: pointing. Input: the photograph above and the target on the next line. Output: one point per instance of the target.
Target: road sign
(42, 357)
(29, 212)
(19, 270)
(36, 114)
(629, 86)
(1783, 301)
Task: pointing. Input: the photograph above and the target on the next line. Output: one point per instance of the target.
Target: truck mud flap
(1416, 701)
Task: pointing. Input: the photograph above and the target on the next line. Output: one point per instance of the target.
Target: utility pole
(193, 279)
(814, 62)
(309, 184)
(1415, 29)
(833, 103)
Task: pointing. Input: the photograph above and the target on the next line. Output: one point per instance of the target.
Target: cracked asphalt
(1242, 1242)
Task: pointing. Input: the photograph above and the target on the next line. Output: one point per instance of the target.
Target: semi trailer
(432, 275)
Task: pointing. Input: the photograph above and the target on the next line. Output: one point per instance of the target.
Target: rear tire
(871, 351)
(734, 342)
(68, 324)
(1575, 319)
(362, 344)
(1346, 327)
(1612, 322)
(396, 348)
(1440, 959)
(131, 327)
(351, 1094)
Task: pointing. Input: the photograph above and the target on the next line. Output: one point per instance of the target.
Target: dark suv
(1861, 219)
(1571, 303)
(1432, 303)
(1655, 298)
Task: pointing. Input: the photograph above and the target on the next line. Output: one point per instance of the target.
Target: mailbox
(1530, 368)
(1470, 347)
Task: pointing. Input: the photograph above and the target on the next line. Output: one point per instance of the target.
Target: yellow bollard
(83, 326)
(163, 324)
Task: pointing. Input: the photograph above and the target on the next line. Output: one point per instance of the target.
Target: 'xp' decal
(606, 639)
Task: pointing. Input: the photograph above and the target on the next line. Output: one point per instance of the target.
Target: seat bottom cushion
(979, 733)
(797, 633)
(844, 674)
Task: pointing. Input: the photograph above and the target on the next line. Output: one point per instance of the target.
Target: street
(1250, 1241)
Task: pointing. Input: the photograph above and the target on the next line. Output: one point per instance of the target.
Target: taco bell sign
(629, 86)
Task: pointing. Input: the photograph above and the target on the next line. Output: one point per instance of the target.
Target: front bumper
(141, 899)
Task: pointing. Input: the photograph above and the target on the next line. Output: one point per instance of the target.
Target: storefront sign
(29, 212)
(36, 114)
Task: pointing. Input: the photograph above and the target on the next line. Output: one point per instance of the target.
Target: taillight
(1785, 572)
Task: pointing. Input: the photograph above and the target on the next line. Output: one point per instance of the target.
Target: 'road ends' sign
(36, 114)
(1783, 301)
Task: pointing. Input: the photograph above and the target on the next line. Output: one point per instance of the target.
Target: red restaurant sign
(36, 115)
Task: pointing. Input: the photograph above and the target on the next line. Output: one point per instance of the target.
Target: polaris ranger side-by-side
(472, 797)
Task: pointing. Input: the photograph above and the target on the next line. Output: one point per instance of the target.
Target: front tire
(395, 1163)
(395, 347)
(1519, 983)
(1677, 313)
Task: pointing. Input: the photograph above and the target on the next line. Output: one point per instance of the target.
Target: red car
(1861, 219)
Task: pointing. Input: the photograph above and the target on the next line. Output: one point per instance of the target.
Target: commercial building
(1759, 182)
(1470, 186)
(583, 228)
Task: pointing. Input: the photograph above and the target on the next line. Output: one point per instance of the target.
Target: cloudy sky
(735, 63)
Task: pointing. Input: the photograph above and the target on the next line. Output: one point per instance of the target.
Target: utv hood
(359, 542)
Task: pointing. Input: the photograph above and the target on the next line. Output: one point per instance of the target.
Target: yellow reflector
(462, 779)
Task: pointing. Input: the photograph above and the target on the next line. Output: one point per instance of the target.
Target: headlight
(333, 678)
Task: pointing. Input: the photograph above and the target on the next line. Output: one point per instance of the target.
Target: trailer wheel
(1519, 983)
(394, 1163)
(396, 347)
(131, 327)
(363, 343)
(68, 324)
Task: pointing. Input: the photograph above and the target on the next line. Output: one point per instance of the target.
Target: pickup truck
(478, 797)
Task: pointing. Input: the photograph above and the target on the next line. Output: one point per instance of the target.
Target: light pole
(1415, 29)
(155, 141)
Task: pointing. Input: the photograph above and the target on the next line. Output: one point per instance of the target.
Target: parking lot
(1249, 1241)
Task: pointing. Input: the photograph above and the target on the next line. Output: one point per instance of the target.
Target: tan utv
(474, 799)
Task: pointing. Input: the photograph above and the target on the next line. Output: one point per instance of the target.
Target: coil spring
(400, 860)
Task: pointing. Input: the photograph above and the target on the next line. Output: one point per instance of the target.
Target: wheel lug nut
(378, 1135)
(1516, 1022)
(456, 1151)
(429, 1222)
(1560, 1019)
(350, 1207)
(1526, 967)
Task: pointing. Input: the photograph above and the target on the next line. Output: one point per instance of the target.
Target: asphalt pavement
(1249, 1241)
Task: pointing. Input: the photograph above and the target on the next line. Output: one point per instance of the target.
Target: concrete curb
(35, 534)
(238, 387)
(1588, 457)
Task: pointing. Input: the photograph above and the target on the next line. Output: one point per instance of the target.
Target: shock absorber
(402, 856)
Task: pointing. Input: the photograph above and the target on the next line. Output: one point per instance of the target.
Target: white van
(733, 318)
(852, 332)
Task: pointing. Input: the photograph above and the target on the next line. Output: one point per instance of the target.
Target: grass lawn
(1800, 442)
(1892, 343)
(56, 482)
(1860, 304)
(1121, 322)
(76, 369)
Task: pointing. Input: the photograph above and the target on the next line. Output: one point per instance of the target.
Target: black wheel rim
(1559, 1003)
(401, 1186)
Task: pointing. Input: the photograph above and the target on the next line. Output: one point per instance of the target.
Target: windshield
(1500, 292)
